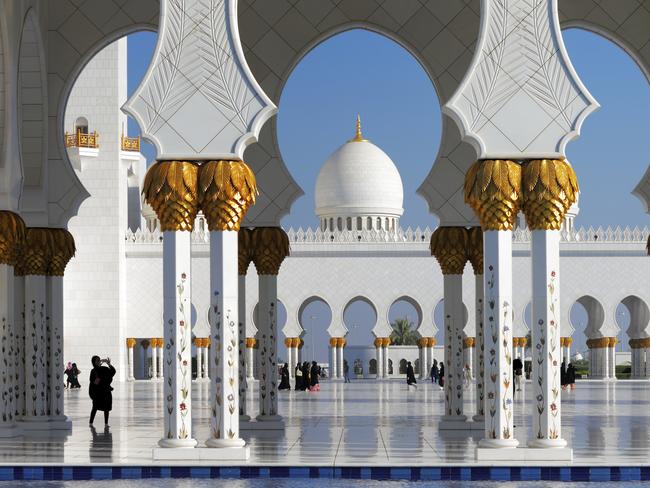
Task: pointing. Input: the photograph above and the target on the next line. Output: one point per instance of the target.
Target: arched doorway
(315, 316)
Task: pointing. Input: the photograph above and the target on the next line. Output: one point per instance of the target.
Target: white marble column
(334, 371)
(422, 352)
(206, 358)
(36, 407)
(130, 342)
(241, 317)
(547, 416)
(177, 300)
(645, 354)
(57, 419)
(593, 360)
(198, 344)
(8, 426)
(480, 342)
(499, 412)
(224, 341)
(603, 361)
(250, 358)
(267, 333)
(469, 356)
(153, 348)
(20, 325)
(378, 357)
(339, 359)
(454, 324)
(612, 358)
(294, 352)
(385, 371)
(431, 342)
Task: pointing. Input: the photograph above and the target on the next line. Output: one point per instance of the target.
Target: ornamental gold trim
(432, 342)
(36, 253)
(385, 341)
(449, 246)
(250, 342)
(468, 343)
(550, 187)
(63, 250)
(12, 236)
(130, 342)
(334, 341)
(270, 245)
(170, 187)
(475, 249)
(493, 190)
(244, 250)
(227, 189)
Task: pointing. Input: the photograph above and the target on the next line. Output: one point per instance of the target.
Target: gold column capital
(341, 342)
(244, 250)
(475, 249)
(36, 252)
(170, 187)
(550, 187)
(12, 236)
(493, 190)
(270, 245)
(378, 342)
(422, 342)
(227, 189)
(334, 341)
(449, 246)
(130, 342)
(468, 342)
(385, 341)
(288, 342)
(612, 341)
(432, 342)
(250, 342)
(63, 250)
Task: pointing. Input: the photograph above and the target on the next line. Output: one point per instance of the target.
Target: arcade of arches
(209, 114)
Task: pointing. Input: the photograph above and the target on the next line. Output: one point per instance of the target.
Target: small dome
(359, 179)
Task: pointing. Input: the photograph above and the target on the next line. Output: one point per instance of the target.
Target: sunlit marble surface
(361, 423)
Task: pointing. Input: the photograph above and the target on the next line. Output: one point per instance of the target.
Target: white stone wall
(95, 284)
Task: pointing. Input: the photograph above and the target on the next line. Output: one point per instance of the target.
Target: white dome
(359, 179)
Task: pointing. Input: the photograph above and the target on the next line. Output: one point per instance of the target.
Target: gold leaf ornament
(170, 187)
(492, 189)
(63, 250)
(36, 252)
(475, 249)
(449, 246)
(550, 187)
(12, 236)
(270, 247)
(244, 250)
(227, 189)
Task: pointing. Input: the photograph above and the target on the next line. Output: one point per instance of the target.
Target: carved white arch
(298, 314)
(379, 329)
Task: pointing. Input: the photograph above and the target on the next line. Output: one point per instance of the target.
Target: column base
(132, 378)
(525, 454)
(547, 443)
(46, 423)
(498, 444)
(10, 430)
(244, 418)
(173, 444)
(478, 418)
(225, 443)
(202, 454)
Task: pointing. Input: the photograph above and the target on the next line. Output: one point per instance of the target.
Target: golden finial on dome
(359, 136)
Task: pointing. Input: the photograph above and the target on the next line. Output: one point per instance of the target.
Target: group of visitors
(567, 376)
(437, 374)
(72, 376)
(307, 377)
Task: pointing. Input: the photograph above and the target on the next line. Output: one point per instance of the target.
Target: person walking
(298, 375)
(100, 389)
(284, 378)
(314, 384)
(434, 371)
(346, 372)
(410, 376)
(441, 375)
(67, 373)
(571, 376)
(518, 369)
(73, 377)
(563, 376)
(305, 376)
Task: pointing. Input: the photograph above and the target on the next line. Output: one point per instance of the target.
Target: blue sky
(400, 111)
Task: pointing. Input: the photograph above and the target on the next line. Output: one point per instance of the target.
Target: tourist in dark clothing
(518, 370)
(305, 376)
(314, 385)
(434, 371)
(346, 372)
(563, 378)
(284, 378)
(410, 375)
(100, 388)
(441, 375)
(72, 372)
(571, 376)
(298, 375)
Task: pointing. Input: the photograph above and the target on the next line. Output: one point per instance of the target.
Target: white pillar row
(339, 360)
(612, 358)
(294, 352)
(270, 246)
(385, 344)
(130, 343)
(244, 258)
(450, 245)
(224, 337)
(547, 354)
(431, 342)
(475, 256)
(288, 343)
(334, 371)
(378, 357)
(468, 353)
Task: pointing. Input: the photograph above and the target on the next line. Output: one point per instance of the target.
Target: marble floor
(359, 424)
